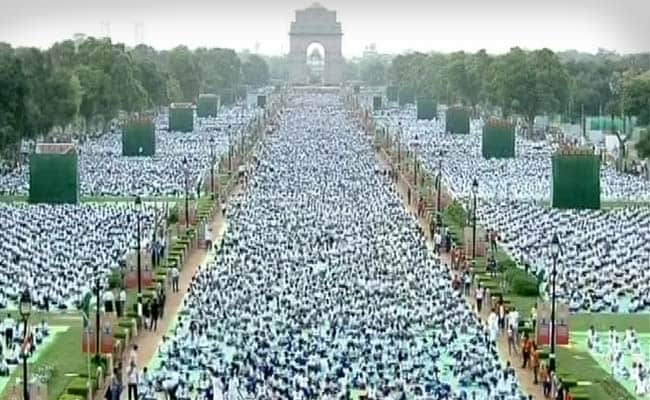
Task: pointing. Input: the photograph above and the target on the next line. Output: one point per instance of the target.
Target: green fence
(392, 93)
(406, 96)
(376, 103)
(139, 138)
(457, 120)
(54, 178)
(575, 181)
(261, 101)
(498, 140)
(605, 123)
(207, 106)
(426, 108)
(181, 118)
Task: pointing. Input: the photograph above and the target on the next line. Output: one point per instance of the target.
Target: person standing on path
(133, 355)
(154, 313)
(479, 298)
(133, 379)
(121, 303)
(9, 331)
(513, 322)
(437, 241)
(175, 275)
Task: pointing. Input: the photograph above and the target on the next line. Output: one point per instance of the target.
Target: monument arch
(315, 25)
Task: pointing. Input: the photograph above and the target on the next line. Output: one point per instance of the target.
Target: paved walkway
(524, 376)
(148, 341)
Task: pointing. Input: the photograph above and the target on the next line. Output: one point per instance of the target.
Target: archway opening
(316, 63)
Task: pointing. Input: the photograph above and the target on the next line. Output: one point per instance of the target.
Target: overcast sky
(395, 26)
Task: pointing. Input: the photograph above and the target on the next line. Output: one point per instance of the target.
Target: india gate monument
(315, 47)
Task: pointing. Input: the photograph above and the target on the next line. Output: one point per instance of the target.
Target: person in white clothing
(133, 377)
(479, 298)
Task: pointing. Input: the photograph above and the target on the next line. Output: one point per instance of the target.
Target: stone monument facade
(315, 24)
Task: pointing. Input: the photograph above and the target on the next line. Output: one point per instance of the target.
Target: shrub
(525, 286)
(68, 396)
(121, 334)
(173, 216)
(456, 214)
(78, 387)
(115, 279)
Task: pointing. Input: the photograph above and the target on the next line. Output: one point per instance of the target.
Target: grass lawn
(571, 361)
(583, 368)
(63, 355)
(602, 322)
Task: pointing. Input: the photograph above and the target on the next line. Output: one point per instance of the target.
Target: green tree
(636, 97)
(184, 67)
(529, 84)
(37, 70)
(221, 69)
(255, 71)
(12, 101)
(373, 71)
(278, 67)
(643, 145)
(64, 104)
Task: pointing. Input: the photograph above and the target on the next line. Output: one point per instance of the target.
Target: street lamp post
(399, 147)
(555, 253)
(97, 308)
(229, 149)
(439, 189)
(415, 169)
(212, 168)
(474, 195)
(187, 200)
(138, 216)
(25, 309)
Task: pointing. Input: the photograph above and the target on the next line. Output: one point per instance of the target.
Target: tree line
(520, 82)
(87, 83)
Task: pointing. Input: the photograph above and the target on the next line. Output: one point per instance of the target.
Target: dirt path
(524, 376)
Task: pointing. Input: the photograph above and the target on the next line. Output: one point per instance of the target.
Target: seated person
(44, 328)
(14, 357)
(4, 367)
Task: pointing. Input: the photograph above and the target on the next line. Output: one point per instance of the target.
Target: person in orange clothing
(534, 362)
(546, 381)
(567, 395)
(526, 348)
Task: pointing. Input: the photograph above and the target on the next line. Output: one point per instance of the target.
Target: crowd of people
(57, 251)
(103, 171)
(11, 349)
(526, 177)
(626, 355)
(601, 265)
(323, 286)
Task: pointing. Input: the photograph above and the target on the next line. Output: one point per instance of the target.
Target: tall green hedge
(139, 138)
(261, 101)
(376, 103)
(457, 120)
(54, 178)
(498, 139)
(426, 108)
(575, 181)
(207, 106)
(228, 97)
(181, 117)
(406, 95)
